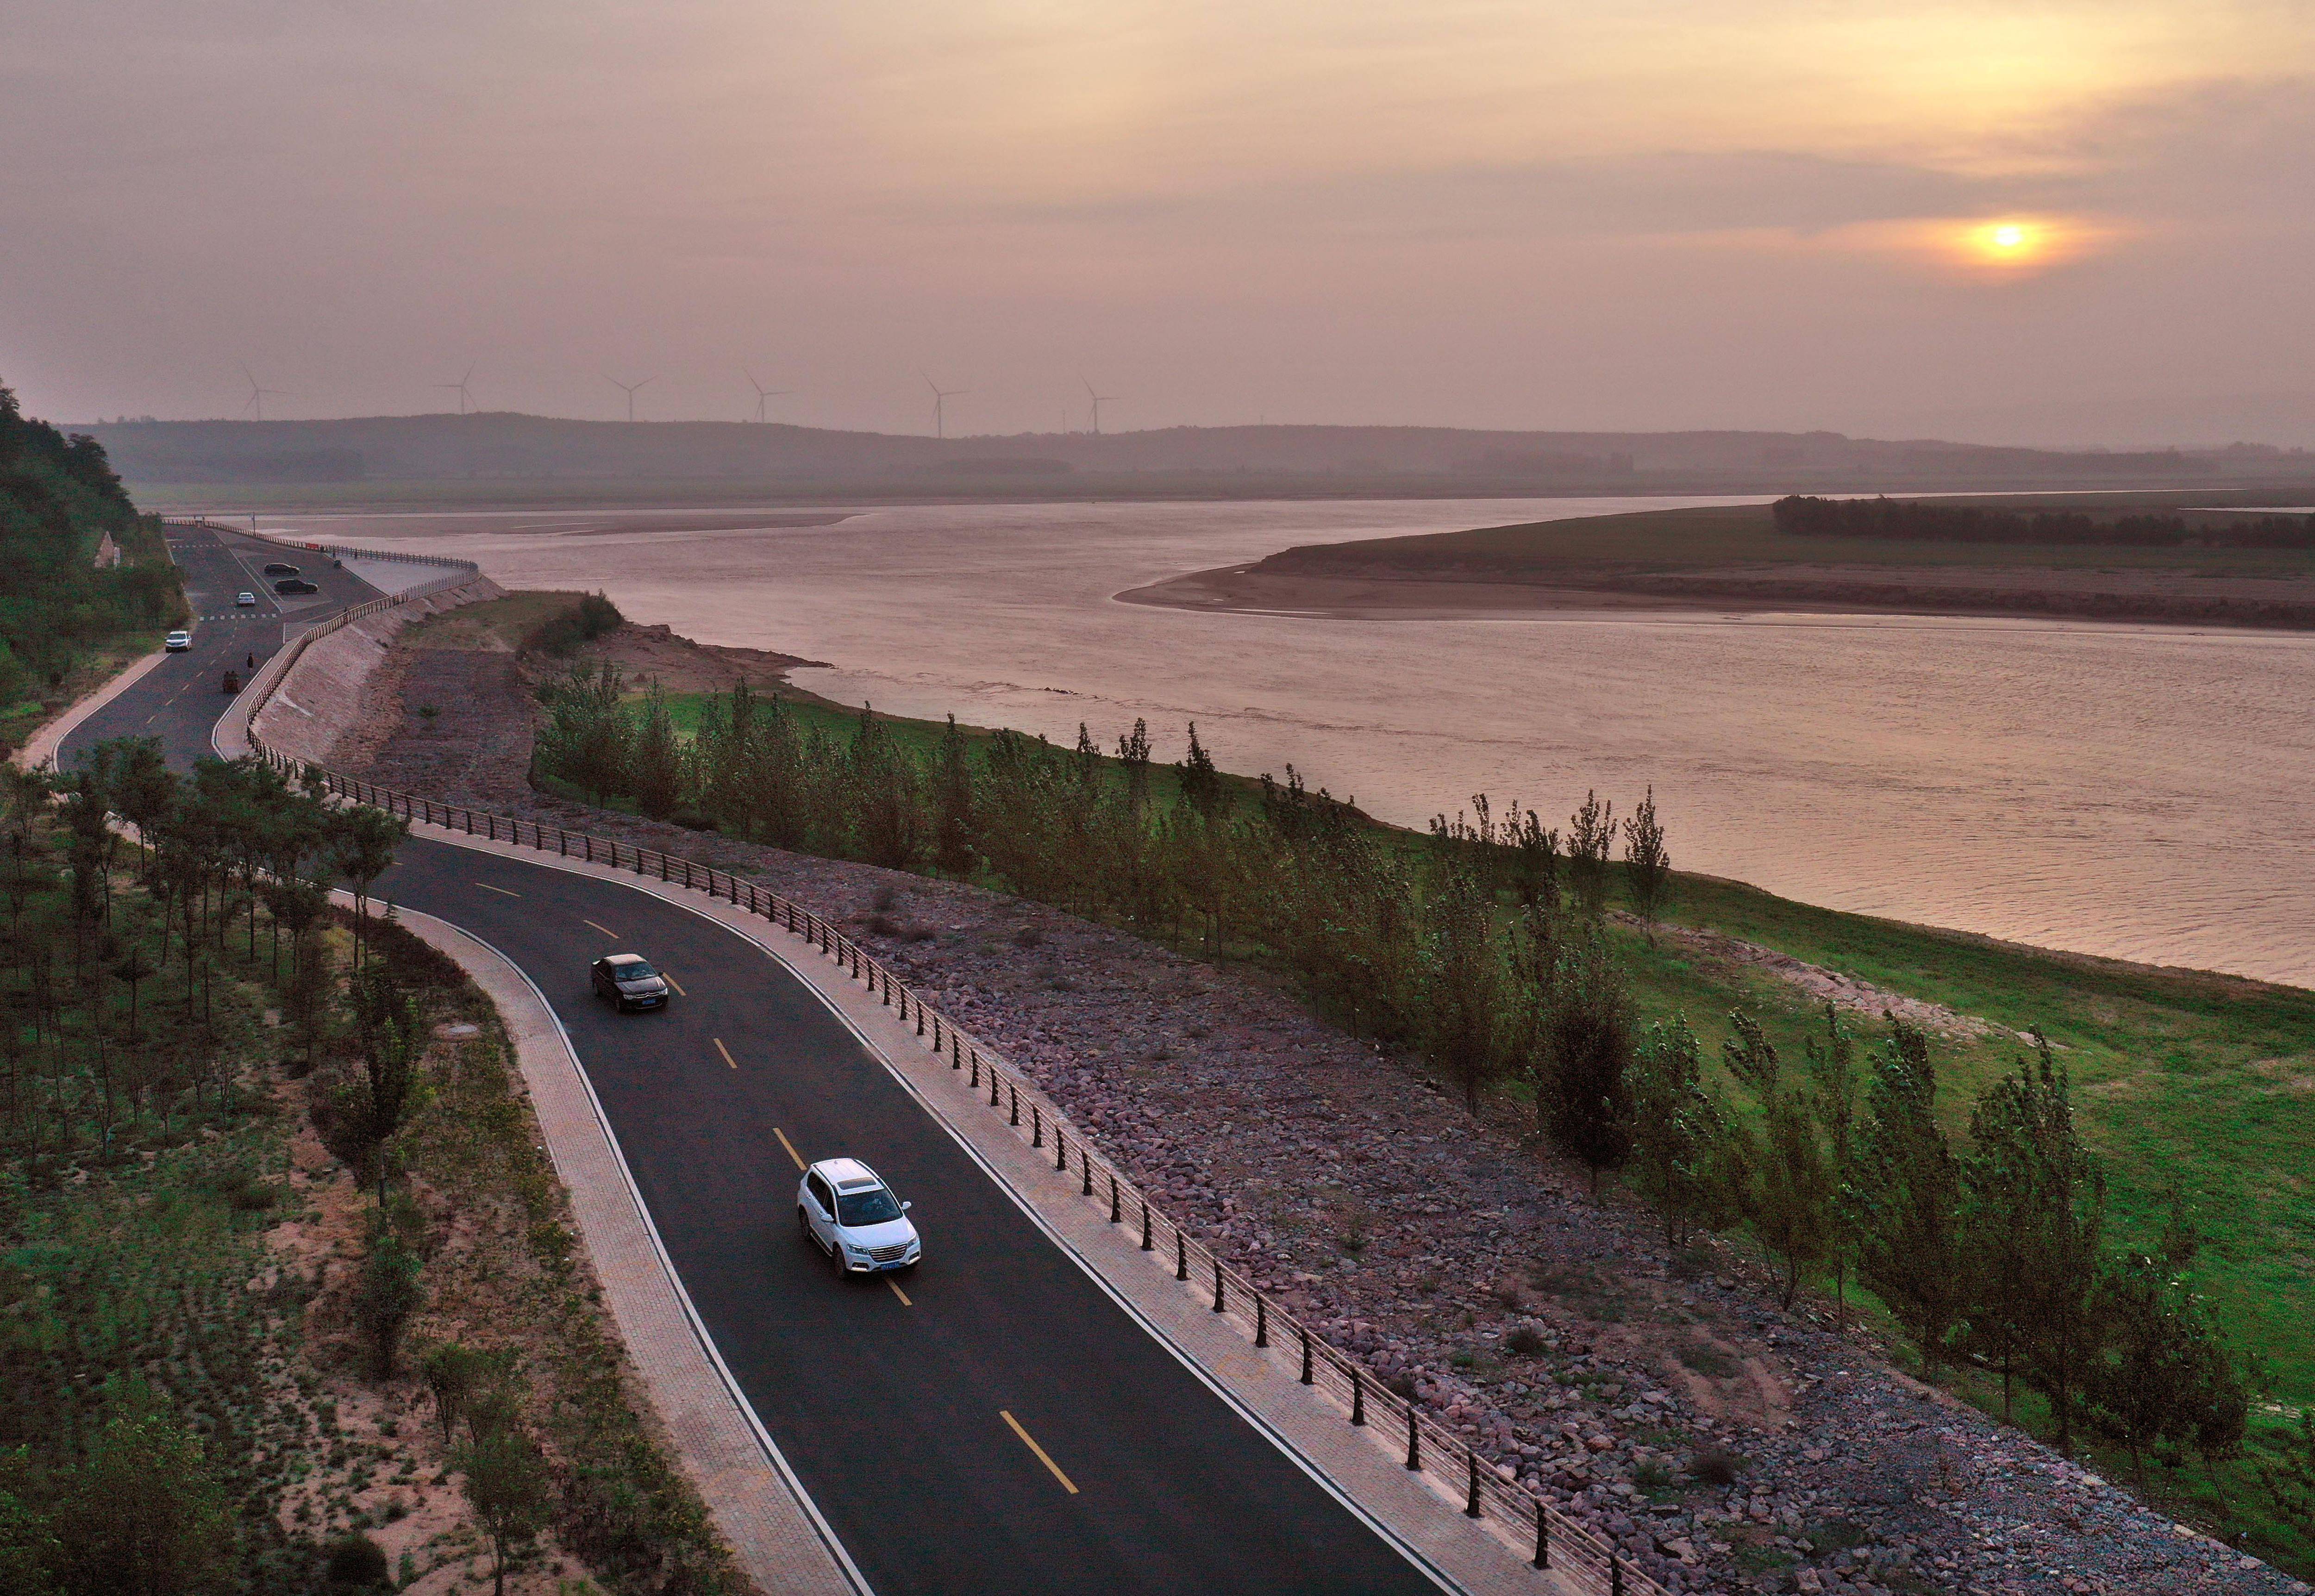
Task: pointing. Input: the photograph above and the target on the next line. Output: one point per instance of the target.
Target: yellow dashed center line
(728, 1060)
(671, 982)
(501, 891)
(1030, 1441)
(789, 1145)
(903, 1296)
(606, 930)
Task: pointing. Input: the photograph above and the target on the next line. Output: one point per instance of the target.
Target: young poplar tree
(2062, 1234)
(1788, 1188)
(1679, 1132)
(1908, 1193)
(1591, 834)
(1836, 1097)
(2163, 1378)
(1201, 782)
(655, 761)
(1587, 1111)
(953, 809)
(1463, 980)
(1134, 753)
(1647, 866)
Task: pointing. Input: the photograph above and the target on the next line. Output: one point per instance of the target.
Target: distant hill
(1201, 461)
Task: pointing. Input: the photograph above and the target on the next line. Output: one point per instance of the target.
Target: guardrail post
(921, 1023)
(1358, 1396)
(562, 843)
(1413, 1440)
(588, 839)
(1036, 1119)
(1017, 1102)
(1219, 1301)
(993, 1099)
(1085, 1157)
(1146, 1243)
(1260, 1320)
(1471, 1508)
(1307, 1376)
(1615, 1575)
(1180, 1255)
(1542, 1534)
(1112, 1197)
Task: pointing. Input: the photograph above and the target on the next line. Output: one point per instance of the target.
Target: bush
(1715, 1466)
(357, 1562)
(1527, 1340)
(591, 617)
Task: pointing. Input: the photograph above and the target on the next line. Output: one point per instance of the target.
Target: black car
(278, 568)
(294, 584)
(629, 981)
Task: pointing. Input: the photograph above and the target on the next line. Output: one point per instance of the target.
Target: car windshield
(636, 971)
(875, 1206)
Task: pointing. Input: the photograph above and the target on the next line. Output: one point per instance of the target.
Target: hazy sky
(1653, 213)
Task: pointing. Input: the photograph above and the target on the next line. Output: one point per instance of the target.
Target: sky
(2030, 221)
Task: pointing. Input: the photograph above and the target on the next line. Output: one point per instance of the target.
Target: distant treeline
(1913, 521)
(58, 499)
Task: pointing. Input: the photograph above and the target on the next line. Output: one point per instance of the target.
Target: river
(2132, 791)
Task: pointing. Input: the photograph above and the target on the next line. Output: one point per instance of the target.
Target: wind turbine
(630, 390)
(1098, 401)
(256, 405)
(460, 388)
(940, 398)
(763, 394)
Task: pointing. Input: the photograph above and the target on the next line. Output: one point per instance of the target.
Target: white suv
(845, 1210)
(177, 642)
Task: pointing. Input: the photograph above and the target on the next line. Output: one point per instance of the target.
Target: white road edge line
(1262, 1426)
(778, 1460)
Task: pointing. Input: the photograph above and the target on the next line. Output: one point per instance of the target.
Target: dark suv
(280, 568)
(629, 981)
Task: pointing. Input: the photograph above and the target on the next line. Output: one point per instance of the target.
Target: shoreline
(1384, 593)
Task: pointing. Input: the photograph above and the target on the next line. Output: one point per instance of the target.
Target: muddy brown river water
(2134, 791)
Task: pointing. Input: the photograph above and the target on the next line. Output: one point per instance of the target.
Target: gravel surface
(1430, 1242)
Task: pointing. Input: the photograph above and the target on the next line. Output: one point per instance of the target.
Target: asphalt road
(888, 1397)
(179, 699)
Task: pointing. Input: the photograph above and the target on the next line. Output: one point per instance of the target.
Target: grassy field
(1747, 536)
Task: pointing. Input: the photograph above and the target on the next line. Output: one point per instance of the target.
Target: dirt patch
(682, 665)
(1718, 951)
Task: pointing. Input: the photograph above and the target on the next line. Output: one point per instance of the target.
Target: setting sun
(2007, 242)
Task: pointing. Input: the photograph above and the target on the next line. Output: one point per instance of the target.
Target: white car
(847, 1210)
(177, 642)
(246, 599)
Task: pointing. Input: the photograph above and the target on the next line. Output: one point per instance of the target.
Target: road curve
(997, 1423)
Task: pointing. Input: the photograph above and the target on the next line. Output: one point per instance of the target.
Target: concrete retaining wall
(322, 698)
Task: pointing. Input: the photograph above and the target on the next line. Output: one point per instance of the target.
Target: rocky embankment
(1661, 1396)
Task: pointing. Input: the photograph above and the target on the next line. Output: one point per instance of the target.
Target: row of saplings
(1485, 951)
(1992, 1253)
